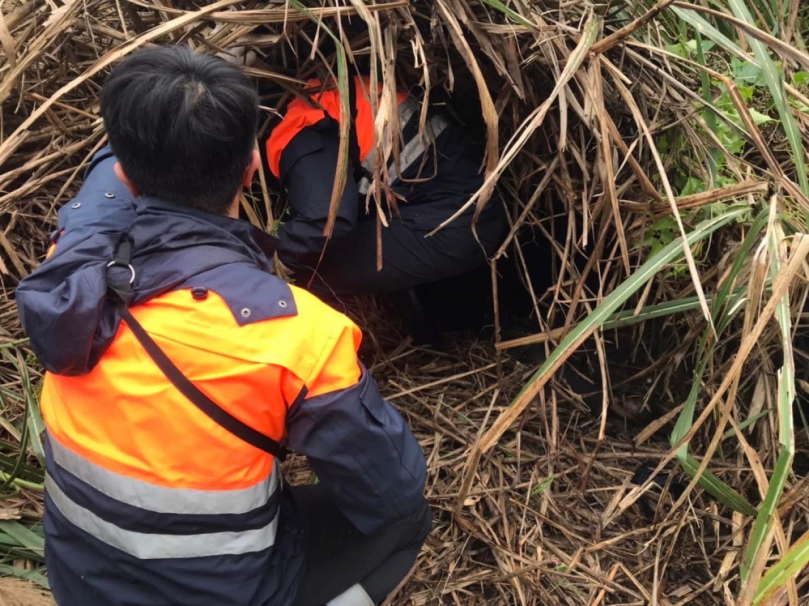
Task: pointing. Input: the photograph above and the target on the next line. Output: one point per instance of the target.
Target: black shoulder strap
(177, 378)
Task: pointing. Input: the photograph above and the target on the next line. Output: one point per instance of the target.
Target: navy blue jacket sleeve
(362, 451)
(308, 166)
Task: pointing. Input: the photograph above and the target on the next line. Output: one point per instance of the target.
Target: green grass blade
(717, 488)
(11, 475)
(543, 486)
(793, 562)
(747, 423)
(705, 28)
(786, 384)
(669, 253)
(511, 13)
(35, 426)
(752, 235)
(629, 317)
(24, 537)
(29, 473)
(765, 518)
(35, 576)
(36, 429)
(341, 174)
(786, 397)
(686, 418)
(710, 116)
(14, 343)
(775, 82)
(722, 316)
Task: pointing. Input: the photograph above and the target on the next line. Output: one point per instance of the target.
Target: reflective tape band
(353, 596)
(411, 152)
(415, 148)
(406, 109)
(160, 498)
(146, 546)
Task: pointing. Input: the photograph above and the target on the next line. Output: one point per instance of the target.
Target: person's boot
(424, 327)
(416, 319)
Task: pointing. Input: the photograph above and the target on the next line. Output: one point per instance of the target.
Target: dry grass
(539, 524)
(595, 115)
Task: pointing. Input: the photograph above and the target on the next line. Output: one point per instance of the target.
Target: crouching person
(437, 174)
(179, 369)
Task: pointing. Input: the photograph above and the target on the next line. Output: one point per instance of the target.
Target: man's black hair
(182, 125)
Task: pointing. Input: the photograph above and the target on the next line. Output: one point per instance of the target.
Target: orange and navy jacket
(438, 170)
(149, 501)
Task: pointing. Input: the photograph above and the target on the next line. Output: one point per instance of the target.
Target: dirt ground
(15, 592)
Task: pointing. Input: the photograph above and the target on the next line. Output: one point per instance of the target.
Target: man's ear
(119, 172)
(252, 167)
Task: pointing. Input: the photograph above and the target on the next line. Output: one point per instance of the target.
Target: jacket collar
(247, 233)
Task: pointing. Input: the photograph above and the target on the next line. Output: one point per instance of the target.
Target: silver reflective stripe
(406, 109)
(368, 164)
(159, 498)
(353, 596)
(412, 151)
(156, 546)
(415, 148)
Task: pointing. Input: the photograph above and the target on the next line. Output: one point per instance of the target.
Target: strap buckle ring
(115, 263)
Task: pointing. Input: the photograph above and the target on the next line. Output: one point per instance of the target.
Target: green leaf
(775, 82)
(747, 93)
(731, 140)
(758, 117)
(745, 72)
(802, 107)
(692, 186)
(800, 78)
(679, 49)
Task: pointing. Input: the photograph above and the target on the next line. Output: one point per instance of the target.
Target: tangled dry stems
(571, 102)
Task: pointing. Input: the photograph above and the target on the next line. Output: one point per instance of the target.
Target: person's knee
(422, 523)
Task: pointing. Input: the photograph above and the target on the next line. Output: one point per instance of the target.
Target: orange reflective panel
(300, 114)
(52, 247)
(127, 417)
